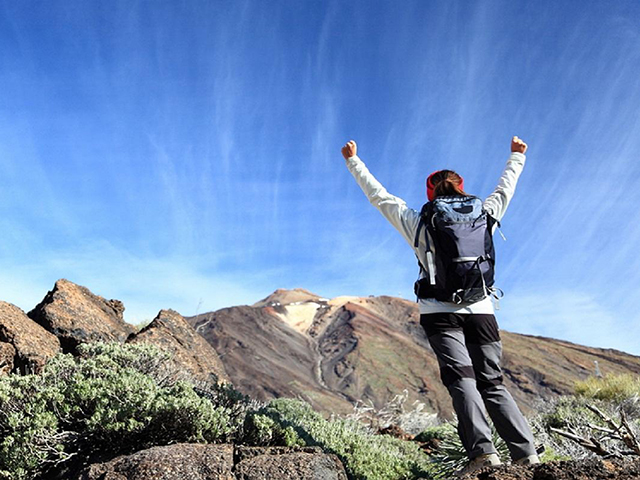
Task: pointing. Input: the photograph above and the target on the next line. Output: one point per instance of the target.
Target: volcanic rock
(588, 469)
(311, 463)
(172, 462)
(191, 353)
(75, 315)
(32, 345)
(7, 352)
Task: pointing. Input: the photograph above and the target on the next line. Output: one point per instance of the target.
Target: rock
(32, 345)
(395, 431)
(75, 315)
(243, 453)
(171, 332)
(7, 352)
(260, 463)
(216, 462)
(173, 462)
(587, 469)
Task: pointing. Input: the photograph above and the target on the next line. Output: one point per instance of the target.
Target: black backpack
(460, 252)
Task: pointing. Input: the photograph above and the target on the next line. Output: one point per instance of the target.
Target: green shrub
(113, 398)
(108, 398)
(615, 388)
(142, 357)
(264, 431)
(236, 404)
(364, 455)
(29, 436)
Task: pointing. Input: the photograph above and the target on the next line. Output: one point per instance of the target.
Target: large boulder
(191, 353)
(29, 345)
(75, 315)
(172, 462)
(185, 461)
(310, 463)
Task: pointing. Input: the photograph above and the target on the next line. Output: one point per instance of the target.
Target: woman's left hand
(518, 145)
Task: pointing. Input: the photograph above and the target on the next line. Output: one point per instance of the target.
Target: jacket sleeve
(496, 203)
(394, 209)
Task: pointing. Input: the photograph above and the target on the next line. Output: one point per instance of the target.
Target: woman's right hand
(518, 145)
(349, 150)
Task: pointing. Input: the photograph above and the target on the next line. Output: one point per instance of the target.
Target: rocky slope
(333, 352)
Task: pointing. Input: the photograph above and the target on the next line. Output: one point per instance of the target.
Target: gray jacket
(406, 219)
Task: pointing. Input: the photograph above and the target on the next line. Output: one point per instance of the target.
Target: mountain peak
(286, 297)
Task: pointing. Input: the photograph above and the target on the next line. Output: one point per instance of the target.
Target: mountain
(334, 352)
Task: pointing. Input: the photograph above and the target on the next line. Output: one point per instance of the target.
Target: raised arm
(394, 209)
(496, 203)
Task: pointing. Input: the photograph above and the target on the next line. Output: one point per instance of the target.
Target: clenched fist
(349, 150)
(518, 145)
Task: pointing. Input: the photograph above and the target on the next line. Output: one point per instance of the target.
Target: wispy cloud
(571, 315)
(145, 284)
(171, 152)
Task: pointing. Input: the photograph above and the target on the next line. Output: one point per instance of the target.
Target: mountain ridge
(335, 352)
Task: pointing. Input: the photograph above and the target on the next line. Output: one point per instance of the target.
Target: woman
(464, 336)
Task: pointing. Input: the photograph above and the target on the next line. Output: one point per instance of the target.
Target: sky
(186, 154)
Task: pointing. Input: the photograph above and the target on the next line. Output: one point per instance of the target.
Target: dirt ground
(592, 469)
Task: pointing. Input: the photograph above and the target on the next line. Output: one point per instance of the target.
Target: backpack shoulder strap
(425, 214)
(493, 221)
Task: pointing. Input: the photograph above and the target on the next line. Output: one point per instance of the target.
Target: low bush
(29, 435)
(365, 456)
(615, 388)
(262, 430)
(113, 398)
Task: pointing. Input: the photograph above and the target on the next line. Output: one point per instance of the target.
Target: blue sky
(186, 155)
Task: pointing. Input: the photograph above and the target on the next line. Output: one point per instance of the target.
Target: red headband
(431, 194)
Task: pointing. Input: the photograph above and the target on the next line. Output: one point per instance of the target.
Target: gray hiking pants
(469, 350)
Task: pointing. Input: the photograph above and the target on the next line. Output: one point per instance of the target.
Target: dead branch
(591, 444)
(622, 432)
(610, 433)
(604, 417)
(628, 437)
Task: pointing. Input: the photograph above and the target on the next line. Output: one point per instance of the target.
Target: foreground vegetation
(116, 399)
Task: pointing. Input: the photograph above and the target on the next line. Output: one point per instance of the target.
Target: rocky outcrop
(173, 462)
(219, 462)
(191, 353)
(310, 463)
(75, 315)
(29, 343)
